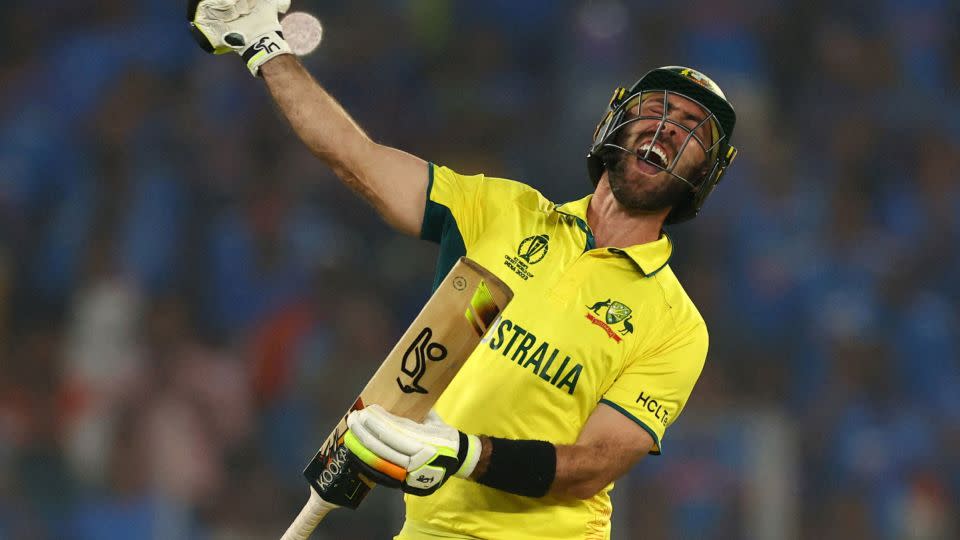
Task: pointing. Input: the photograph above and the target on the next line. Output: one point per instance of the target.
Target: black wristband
(521, 467)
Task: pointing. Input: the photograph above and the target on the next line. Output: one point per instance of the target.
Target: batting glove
(248, 27)
(417, 458)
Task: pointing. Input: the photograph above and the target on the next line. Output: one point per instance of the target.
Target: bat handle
(308, 518)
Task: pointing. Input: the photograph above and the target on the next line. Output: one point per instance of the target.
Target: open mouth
(654, 153)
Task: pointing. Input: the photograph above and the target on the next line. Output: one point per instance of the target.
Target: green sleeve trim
(439, 226)
(656, 440)
(431, 226)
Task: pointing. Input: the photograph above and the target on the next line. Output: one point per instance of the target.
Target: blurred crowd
(188, 299)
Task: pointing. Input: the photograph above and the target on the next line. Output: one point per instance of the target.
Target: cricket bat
(408, 383)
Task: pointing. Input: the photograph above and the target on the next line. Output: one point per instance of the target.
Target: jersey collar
(649, 258)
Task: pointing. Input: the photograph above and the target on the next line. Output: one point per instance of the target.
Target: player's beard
(642, 194)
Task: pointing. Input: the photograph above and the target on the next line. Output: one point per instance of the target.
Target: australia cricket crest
(615, 314)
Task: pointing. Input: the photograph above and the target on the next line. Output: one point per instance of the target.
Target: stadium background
(188, 299)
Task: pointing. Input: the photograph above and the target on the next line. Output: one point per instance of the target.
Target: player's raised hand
(417, 458)
(248, 27)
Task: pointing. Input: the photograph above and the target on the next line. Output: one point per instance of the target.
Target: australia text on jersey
(564, 376)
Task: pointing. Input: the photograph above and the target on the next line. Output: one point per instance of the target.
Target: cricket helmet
(660, 83)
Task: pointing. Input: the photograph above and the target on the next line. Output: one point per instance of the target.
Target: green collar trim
(654, 255)
(578, 211)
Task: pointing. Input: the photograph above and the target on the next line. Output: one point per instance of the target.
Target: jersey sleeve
(454, 207)
(460, 208)
(654, 388)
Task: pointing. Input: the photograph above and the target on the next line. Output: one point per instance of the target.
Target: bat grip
(308, 518)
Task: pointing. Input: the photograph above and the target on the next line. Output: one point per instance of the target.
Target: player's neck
(614, 226)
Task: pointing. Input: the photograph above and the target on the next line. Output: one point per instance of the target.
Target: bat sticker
(332, 474)
(414, 363)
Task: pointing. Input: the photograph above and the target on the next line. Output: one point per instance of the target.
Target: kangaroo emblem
(596, 307)
(616, 313)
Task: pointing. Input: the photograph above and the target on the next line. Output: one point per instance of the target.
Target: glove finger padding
(369, 436)
(374, 475)
(427, 454)
(229, 10)
(374, 461)
(393, 439)
(433, 431)
(198, 34)
(226, 10)
(401, 436)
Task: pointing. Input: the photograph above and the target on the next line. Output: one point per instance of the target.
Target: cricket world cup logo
(531, 250)
(534, 248)
(616, 314)
(414, 363)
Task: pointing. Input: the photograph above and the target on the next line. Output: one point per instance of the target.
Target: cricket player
(601, 347)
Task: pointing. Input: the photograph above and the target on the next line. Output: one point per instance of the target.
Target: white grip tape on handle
(308, 518)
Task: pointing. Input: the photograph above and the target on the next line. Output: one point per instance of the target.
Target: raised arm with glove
(392, 181)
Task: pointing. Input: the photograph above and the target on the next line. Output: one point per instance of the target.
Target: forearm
(393, 181)
(581, 471)
(581, 475)
(420, 457)
(317, 118)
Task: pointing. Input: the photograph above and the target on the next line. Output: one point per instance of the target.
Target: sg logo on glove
(415, 361)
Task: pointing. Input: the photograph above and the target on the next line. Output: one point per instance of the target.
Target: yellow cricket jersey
(587, 325)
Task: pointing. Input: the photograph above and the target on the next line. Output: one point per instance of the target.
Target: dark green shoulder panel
(439, 226)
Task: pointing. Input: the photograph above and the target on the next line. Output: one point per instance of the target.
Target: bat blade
(408, 383)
